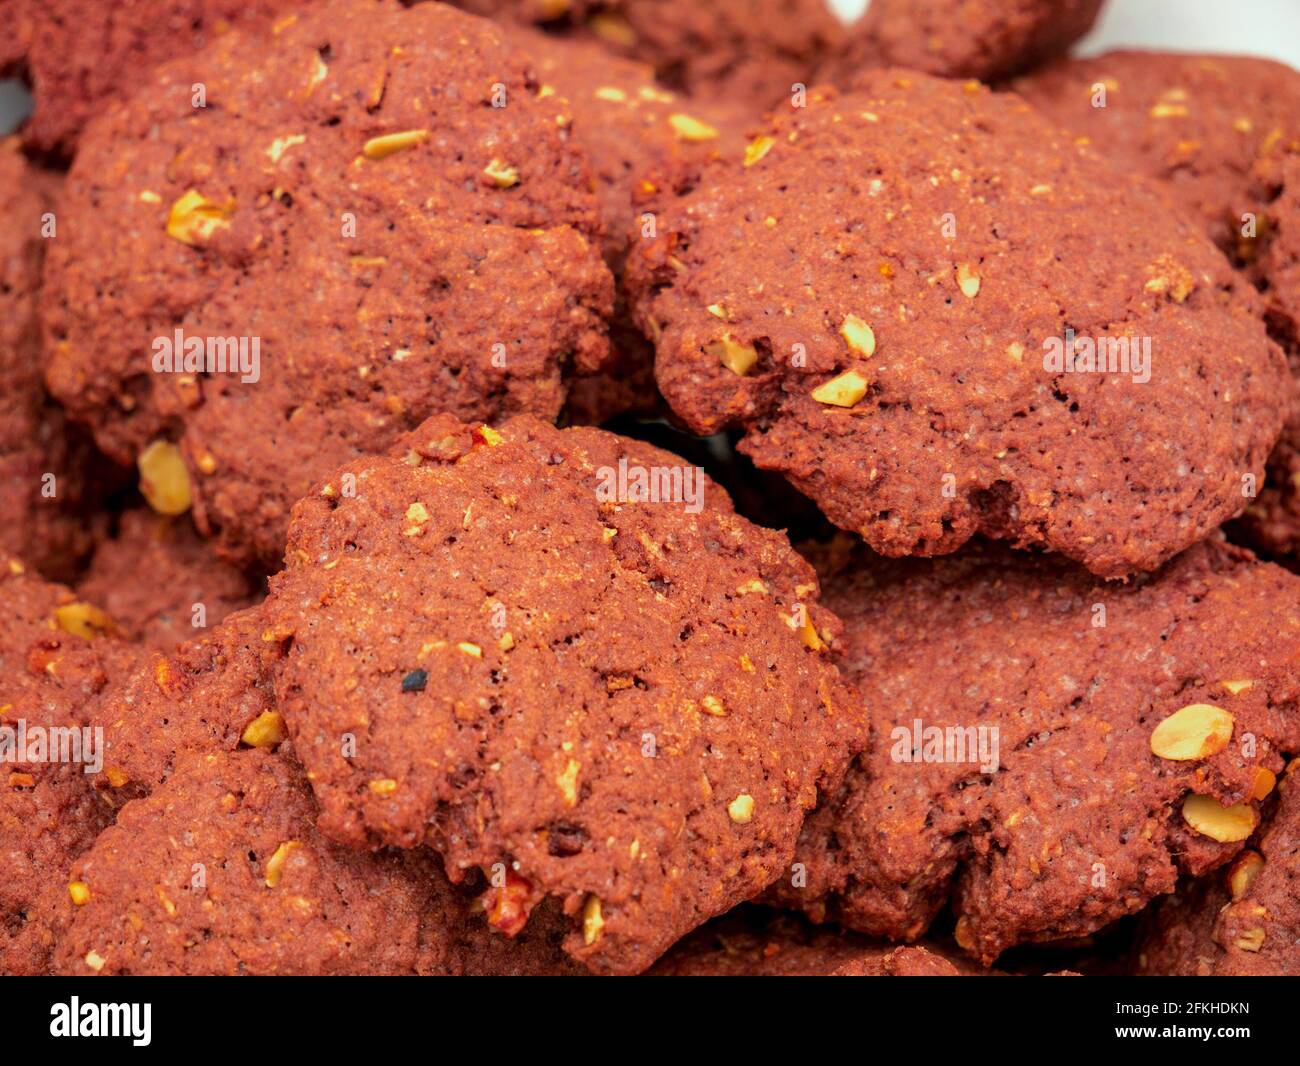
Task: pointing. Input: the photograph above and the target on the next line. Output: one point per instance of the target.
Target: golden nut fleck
(691, 129)
(1251, 940)
(1263, 784)
(264, 731)
(83, 620)
(383, 786)
(194, 218)
(489, 436)
(968, 280)
(741, 809)
(117, 777)
(385, 145)
(593, 920)
(1196, 731)
(808, 634)
(1242, 873)
(164, 481)
(1163, 110)
(567, 780)
(757, 149)
(95, 960)
(711, 705)
(736, 357)
(746, 663)
(858, 335)
(80, 893)
(843, 391)
(275, 864)
(1236, 688)
(472, 650)
(501, 174)
(612, 28)
(1224, 824)
(717, 311)
(611, 93)
(282, 144)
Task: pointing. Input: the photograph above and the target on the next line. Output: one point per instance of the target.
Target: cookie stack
(645, 487)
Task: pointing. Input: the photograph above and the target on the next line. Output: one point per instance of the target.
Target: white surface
(1252, 27)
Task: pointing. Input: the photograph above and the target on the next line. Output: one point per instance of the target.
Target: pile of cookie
(559, 487)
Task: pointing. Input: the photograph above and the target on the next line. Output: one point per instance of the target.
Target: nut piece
(757, 149)
(1224, 824)
(1242, 873)
(264, 731)
(593, 920)
(84, 620)
(713, 706)
(501, 174)
(194, 218)
(385, 145)
(1263, 784)
(1196, 731)
(843, 391)
(275, 864)
(736, 357)
(968, 280)
(692, 129)
(1250, 940)
(567, 780)
(741, 809)
(95, 960)
(858, 335)
(80, 893)
(164, 481)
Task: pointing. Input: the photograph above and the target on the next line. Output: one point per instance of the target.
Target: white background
(1257, 27)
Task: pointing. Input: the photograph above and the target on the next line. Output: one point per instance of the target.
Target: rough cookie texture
(902, 373)
(757, 943)
(623, 705)
(78, 57)
(752, 50)
(349, 199)
(48, 523)
(1241, 922)
(985, 39)
(1082, 821)
(55, 659)
(153, 575)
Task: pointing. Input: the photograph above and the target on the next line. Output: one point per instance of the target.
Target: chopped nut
(754, 584)
(858, 335)
(383, 146)
(506, 642)
(264, 731)
(1236, 688)
(95, 960)
(593, 920)
(612, 27)
(843, 391)
(711, 705)
(1250, 940)
(691, 129)
(20, 780)
(757, 149)
(472, 650)
(746, 663)
(281, 145)
(489, 436)
(567, 780)
(717, 311)
(1263, 784)
(83, 620)
(1163, 110)
(80, 893)
(736, 357)
(741, 809)
(502, 174)
(383, 786)
(194, 218)
(1241, 875)
(418, 515)
(507, 907)
(1224, 824)
(164, 481)
(1196, 731)
(117, 777)
(275, 864)
(968, 280)
(611, 93)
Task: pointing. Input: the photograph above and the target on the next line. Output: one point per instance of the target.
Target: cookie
(348, 237)
(938, 316)
(47, 469)
(638, 137)
(161, 583)
(78, 58)
(752, 50)
(758, 943)
(1049, 752)
(56, 659)
(1244, 921)
(221, 871)
(495, 646)
(985, 39)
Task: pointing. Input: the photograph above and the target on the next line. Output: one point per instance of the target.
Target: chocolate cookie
(499, 646)
(347, 237)
(161, 583)
(758, 943)
(79, 57)
(938, 316)
(1049, 752)
(752, 50)
(47, 469)
(985, 39)
(56, 660)
(1244, 921)
(221, 871)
